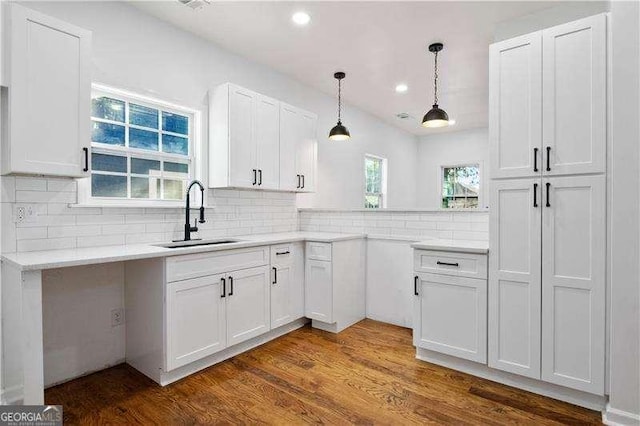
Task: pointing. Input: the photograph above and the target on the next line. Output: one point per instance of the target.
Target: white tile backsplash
(231, 213)
(57, 225)
(455, 225)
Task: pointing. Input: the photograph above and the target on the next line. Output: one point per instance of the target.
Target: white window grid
(382, 195)
(129, 152)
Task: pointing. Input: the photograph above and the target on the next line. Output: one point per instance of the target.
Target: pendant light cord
(435, 81)
(339, 100)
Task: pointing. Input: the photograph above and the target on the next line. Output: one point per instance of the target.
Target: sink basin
(194, 243)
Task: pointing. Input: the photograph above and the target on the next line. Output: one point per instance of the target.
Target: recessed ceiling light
(402, 115)
(301, 18)
(401, 88)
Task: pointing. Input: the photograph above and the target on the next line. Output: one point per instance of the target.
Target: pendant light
(339, 132)
(436, 117)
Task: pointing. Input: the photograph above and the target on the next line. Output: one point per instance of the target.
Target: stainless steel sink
(194, 243)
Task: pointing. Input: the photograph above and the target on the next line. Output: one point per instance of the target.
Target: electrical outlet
(25, 213)
(117, 317)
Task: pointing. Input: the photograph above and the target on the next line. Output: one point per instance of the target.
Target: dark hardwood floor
(366, 375)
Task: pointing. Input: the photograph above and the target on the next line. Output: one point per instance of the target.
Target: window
(375, 177)
(461, 186)
(141, 149)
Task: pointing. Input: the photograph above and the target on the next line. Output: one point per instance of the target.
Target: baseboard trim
(194, 367)
(613, 416)
(582, 399)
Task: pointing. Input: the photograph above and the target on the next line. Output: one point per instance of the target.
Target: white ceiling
(378, 45)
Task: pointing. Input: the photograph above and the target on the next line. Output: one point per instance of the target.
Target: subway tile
(30, 184)
(46, 244)
(73, 231)
(31, 233)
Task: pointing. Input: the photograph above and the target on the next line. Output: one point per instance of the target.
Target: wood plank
(367, 374)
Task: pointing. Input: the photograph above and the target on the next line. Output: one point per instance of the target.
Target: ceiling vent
(195, 4)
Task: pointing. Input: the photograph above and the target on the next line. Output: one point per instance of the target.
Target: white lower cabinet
(319, 291)
(450, 311)
(287, 283)
(196, 320)
(451, 315)
(335, 284)
(247, 304)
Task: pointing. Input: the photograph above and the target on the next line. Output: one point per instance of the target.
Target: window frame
(383, 181)
(479, 164)
(193, 159)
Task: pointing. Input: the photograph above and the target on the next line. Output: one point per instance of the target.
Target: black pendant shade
(339, 132)
(436, 117)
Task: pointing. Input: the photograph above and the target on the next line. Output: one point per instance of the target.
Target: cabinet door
(318, 295)
(574, 97)
(515, 103)
(267, 134)
(195, 320)
(307, 152)
(247, 304)
(242, 146)
(514, 276)
(573, 277)
(49, 95)
(281, 288)
(451, 316)
(289, 130)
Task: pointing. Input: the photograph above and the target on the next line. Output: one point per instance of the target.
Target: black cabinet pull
(297, 187)
(535, 195)
(535, 159)
(280, 253)
(302, 181)
(86, 159)
(447, 263)
(548, 186)
(224, 287)
(260, 178)
(548, 158)
(255, 177)
(415, 285)
(231, 285)
(275, 275)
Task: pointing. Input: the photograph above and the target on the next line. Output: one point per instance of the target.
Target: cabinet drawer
(202, 264)
(319, 251)
(282, 254)
(450, 263)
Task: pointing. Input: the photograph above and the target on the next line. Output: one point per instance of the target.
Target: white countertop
(48, 259)
(481, 247)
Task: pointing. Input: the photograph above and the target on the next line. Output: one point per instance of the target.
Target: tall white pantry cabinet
(547, 235)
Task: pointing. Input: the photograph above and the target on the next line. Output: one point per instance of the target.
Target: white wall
(135, 51)
(624, 356)
(448, 149)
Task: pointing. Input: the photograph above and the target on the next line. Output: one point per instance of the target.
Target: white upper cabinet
(297, 137)
(573, 277)
(547, 102)
(515, 106)
(258, 142)
(245, 139)
(574, 104)
(514, 276)
(47, 105)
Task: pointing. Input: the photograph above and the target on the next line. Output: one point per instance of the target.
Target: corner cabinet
(46, 107)
(257, 142)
